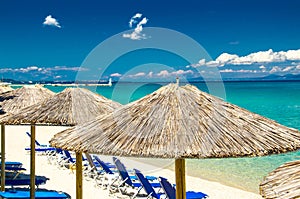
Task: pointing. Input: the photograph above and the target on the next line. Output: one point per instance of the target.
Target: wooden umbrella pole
(78, 175)
(2, 157)
(32, 162)
(180, 178)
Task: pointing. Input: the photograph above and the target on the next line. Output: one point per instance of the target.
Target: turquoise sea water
(279, 101)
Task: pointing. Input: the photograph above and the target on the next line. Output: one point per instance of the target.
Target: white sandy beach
(64, 179)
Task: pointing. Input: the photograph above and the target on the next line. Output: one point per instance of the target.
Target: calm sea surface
(279, 101)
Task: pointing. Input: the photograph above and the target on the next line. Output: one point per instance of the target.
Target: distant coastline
(142, 82)
(110, 82)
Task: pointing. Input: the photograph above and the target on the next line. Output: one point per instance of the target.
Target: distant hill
(287, 77)
(12, 81)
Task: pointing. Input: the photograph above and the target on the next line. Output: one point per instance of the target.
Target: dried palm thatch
(5, 89)
(180, 122)
(283, 182)
(14, 101)
(69, 107)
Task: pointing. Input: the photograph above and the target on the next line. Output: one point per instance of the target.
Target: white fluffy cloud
(261, 57)
(134, 19)
(66, 68)
(263, 68)
(284, 70)
(150, 74)
(227, 71)
(287, 69)
(137, 32)
(257, 57)
(115, 75)
(140, 74)
(275, 69)
(165, 73)
(158, 74)
(50, 21)
(182, 72)
(293, 55)
(43, 69)
(226, 57)
(237, 71)
(28, 69)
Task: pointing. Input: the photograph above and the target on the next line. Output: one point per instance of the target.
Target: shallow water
(279, 101)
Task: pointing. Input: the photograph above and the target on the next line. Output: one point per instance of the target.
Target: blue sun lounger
(39, 194)
(13, 164)
(102, 164)
(106, 176)
(95, 165)
(13, 168)
(132, 177)
(20, 179)
(147, 186)
(40, 147)
(171, 192)
(36, 142)
(105, 167)
(126, 180)
(70, 159)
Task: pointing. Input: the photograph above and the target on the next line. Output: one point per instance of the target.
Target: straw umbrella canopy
(12, 102)
(180, 122)
(4, 89)
(22, 97)
(283, 182)
(70, 107)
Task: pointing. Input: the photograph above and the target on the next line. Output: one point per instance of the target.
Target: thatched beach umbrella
(180, 122)
(22, 97)
(70, 107)
(283, 182)
(11, 103)
(5, 89)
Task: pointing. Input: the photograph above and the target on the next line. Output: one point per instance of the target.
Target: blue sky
(32, 47)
